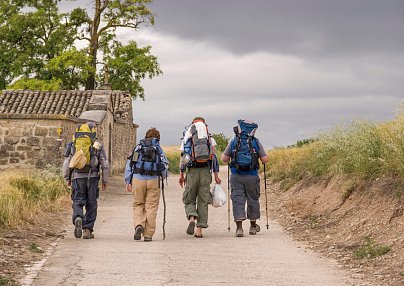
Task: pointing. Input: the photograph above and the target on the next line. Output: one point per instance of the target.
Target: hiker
(243, 152)
(146, 169)
(198, 160)
(85, 158)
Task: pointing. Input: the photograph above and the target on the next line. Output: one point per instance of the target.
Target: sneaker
(87, 234)
(253, 230)
(138, 232)
(78, 224)
(239, 232)
(147, 239)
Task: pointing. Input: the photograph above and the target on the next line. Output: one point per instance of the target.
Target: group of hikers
(147, 168)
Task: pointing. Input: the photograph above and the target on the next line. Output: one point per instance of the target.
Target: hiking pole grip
(228, 197)
(266, 195)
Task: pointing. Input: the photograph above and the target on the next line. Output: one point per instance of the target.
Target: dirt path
(114, 258)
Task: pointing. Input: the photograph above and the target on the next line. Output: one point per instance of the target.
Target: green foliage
(128, 65)
(6, 281)
(35, 248)
(32, 33)
(370, 250)
(221, 140)
(36, 84)
(72, 67)
(37, 45)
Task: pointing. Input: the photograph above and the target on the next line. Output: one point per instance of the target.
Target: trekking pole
(164, 213)
(228, 197)
(266, 195)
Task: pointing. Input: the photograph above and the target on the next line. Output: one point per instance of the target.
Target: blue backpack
(245, 147)
(146, 158)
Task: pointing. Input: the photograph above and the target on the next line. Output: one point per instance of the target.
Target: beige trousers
(146, 197)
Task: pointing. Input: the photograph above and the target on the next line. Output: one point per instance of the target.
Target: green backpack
(83, 140)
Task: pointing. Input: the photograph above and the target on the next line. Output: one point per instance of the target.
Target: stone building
(36, 125)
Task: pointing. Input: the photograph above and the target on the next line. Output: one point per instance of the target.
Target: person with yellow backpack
(85, 159)
(198, 161)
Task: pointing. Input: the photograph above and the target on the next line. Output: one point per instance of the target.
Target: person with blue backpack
(146, 169)
(243, 153)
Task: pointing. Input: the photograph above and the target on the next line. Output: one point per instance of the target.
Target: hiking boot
(87, 234)
(257, 228)
(78, 224)
(147, 239)
(253, 230)
(138, 232)
(239, 232)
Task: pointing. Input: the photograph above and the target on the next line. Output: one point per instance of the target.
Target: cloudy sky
(294, 67)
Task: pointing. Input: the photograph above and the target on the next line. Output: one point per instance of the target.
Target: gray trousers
(85, 194)
(245, 188)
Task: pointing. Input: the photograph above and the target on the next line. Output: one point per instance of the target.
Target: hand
(129, 188)
(181, 180)
(217, 180)
(104, 186)
(69, 183)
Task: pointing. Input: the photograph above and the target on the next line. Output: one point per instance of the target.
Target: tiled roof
(65, 102)
(71, 103)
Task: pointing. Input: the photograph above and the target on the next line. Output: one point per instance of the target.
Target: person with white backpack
(198, 161)
(243, 152)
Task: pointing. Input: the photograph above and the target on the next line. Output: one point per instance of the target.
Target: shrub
(23, 195)
(369, 249)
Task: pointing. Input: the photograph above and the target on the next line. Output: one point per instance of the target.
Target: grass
(173, 155)
(35, 248)
(362, 149)
(25, 194)
(401, 273)
(5, 281)
(369, 249)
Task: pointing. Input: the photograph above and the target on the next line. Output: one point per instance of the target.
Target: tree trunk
(93, 49)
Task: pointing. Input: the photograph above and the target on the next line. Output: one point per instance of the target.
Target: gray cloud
(295, 67)
(310, 27)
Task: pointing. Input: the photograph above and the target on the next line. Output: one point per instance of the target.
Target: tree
(100, 30)
(37, 42)
(221, 141)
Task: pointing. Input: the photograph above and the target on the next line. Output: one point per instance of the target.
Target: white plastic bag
(219, 196)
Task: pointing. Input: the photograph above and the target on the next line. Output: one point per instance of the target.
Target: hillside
(343, 195)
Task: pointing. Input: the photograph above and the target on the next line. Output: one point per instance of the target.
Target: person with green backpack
(198, 161)
(243, 152)
(85, 159)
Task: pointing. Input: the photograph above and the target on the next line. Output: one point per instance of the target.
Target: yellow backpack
(83, 140)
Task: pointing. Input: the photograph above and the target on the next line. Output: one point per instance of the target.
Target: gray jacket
(103, 166)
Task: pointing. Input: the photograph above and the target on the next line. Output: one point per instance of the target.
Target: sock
(239, 224)
(253, 223)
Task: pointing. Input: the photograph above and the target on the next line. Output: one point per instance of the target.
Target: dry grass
(25, 194)
(363, 149)
(173, 154)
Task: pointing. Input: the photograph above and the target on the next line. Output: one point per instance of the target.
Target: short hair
(153, 132)
(198, 118)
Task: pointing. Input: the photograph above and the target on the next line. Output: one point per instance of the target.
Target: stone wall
(124, 139)
(28, 142)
